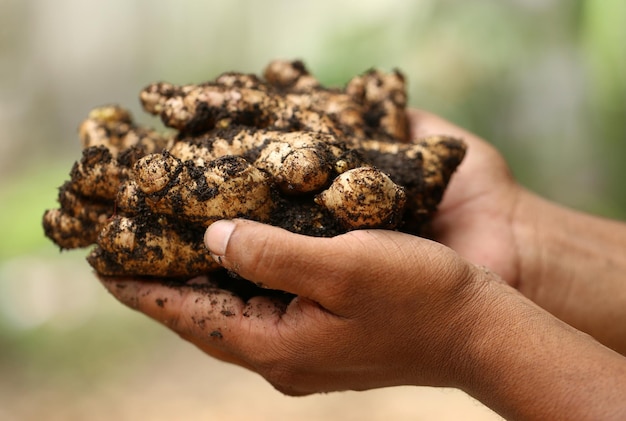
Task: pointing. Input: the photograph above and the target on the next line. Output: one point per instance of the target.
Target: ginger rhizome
(280, 149)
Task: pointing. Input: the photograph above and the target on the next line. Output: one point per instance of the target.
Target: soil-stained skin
(280, 148)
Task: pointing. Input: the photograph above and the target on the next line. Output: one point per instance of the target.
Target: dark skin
(473, 310)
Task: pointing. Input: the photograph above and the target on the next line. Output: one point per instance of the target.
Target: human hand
(476, 217)
(352, 291)
(567, 262)
(373, 308)
(381, 308)
(377, 308)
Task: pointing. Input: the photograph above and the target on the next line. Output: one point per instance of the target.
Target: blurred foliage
(62, 356)
(21, 204)
(603, 36)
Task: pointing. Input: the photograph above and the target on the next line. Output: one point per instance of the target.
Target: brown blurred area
(545, 81)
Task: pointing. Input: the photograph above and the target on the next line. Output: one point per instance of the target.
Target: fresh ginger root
(364, 197)
(280, 149)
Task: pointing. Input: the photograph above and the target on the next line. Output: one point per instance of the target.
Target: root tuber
(227, 187)
(364, 197)
(281, 149)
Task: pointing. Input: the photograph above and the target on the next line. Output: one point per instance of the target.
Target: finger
(272, 257)
(263, 335)
(425, 124)
(329, 271)
(193, 311)
(482, 161)
(201, 312)
(215, 352)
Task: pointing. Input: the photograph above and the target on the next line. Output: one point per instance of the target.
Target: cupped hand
(377, 308)
(373, 308)
(476, 217)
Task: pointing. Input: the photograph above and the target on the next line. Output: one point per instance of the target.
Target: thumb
(273, 257)
(324, 270)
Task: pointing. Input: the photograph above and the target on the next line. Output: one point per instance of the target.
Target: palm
(475, 216)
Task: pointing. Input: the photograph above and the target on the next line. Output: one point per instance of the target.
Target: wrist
(471, 324)
(572, 265)
(545, 270)
(526, 364)
(527, 235)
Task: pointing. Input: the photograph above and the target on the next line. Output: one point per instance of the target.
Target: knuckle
(342, 272)
(175, 317)
(259, 259)
(339, 286)
(252, 252)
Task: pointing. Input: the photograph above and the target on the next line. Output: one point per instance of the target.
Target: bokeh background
(543, 80)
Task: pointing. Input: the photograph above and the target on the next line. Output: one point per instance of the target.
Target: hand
(373, 308)
(476, 217)
(567, 262)
(378, 308)
(354, 279)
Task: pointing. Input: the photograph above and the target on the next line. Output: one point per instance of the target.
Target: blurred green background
(543, 80)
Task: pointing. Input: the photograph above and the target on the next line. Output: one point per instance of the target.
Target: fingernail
(217, 236)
